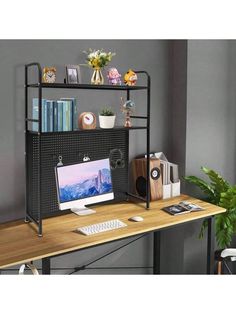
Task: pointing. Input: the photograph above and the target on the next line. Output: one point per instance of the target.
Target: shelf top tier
(87, 86)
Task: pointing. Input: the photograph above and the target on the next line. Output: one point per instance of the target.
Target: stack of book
(57, 115)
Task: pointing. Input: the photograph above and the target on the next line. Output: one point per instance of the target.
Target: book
(60, 115)
(190, 206)
(55, 116)
(67, 116)
(74, 113)
(182, 208)
(49, 121)
(35, 114)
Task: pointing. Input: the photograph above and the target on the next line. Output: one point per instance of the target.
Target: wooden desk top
(20, 243)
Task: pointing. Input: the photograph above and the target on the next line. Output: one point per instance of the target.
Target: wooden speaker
(139, 169)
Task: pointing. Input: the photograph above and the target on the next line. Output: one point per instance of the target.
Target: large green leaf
(217, 182)
(220, 193)
(203, 185)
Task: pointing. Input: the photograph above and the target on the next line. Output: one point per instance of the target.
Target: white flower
(91, 55)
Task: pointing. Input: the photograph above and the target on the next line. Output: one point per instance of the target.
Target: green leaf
(218, 184)
(204, 186)
(221, 193)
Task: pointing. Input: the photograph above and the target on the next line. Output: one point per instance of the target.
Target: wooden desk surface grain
(20, 243)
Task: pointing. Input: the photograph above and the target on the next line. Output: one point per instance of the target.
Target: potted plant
(107, 118)
(219, 192)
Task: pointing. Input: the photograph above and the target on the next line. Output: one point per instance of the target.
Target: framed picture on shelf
(73, 74)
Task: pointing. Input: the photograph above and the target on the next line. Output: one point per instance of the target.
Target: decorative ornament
(130, 78)
(127, 108)
(49, 75)
(87, 121)
(114, 76)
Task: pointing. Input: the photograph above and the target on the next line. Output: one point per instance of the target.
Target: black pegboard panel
(71, 146)
(33, 179)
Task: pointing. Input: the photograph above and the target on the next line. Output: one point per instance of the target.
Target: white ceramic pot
(107, 122)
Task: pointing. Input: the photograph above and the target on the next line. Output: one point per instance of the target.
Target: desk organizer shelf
(42, 150)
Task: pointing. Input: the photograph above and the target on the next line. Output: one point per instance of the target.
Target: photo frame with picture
(73, 75)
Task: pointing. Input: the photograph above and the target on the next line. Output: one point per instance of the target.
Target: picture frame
(73, 75)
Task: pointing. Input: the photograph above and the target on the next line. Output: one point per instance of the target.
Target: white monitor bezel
(85, 201)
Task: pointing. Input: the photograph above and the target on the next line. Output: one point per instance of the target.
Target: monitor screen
(84, 180)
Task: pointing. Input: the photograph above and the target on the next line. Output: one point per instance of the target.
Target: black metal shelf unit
(42, 150)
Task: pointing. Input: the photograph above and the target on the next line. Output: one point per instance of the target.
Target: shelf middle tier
(95, 130)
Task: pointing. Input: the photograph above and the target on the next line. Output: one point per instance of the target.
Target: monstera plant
(219, 192)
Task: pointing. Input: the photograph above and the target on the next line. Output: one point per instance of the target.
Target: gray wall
(142, 54)
(208, 112)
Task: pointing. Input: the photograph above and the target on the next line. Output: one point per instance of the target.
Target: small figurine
(113, 77)
(130, 78)
(127, 107)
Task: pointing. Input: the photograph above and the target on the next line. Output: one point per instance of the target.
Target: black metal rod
(157, 252)
(148, 135)
(26, 160)
(32, 120)
(32, 219)
(87, 86)
(210, 245)
(34, 64)
(27, 66)
(227, 267)
(93, 130)
(139, 117)
(87, 268)
(40, 232)
(137, 196)
(105, 255)
(148, 138)
(127, 171)
(46, 266)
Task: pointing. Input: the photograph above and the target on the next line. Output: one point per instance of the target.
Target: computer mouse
(136, 218)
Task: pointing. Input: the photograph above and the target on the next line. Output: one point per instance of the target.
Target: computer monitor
(83, 184)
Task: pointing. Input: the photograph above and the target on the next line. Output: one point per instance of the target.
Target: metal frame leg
(46, 266)
(210, 245)
(157, 252)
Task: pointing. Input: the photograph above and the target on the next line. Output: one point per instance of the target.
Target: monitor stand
(83, 211)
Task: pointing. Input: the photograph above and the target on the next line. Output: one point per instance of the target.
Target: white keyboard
(102, 227)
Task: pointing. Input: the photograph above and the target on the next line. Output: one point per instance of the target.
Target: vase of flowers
(97, 60)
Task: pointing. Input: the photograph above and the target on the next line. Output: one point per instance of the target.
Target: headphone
(116, 162)
(29, 266)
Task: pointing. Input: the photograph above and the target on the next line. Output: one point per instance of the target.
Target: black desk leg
(210, 245)
(46, 266)
(156, 252)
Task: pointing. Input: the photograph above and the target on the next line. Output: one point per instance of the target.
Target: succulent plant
(107, 111)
